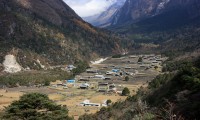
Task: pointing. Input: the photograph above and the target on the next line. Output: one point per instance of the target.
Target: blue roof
(115, 70)
(70, 81)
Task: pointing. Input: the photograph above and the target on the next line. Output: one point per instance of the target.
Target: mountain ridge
(135, 10)
(162, 25)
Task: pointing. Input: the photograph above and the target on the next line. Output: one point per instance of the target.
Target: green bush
(125, 92)
(81, 66)
(126, 78)
(140, 59)
(108, 102)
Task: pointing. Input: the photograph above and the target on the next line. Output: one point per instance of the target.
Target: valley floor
(71, 95)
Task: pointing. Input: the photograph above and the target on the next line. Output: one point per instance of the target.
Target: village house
(70, 82)
(105, 67)
(127, 67)
(103, 87)
(99, 76)
(155, 63)
(84, 79)
(110, 73)
(112, 88)
(87, 103)
(70, 67)
(107, 78)
(84, 86)
(106, 87)
(92, 71)
(115, 70)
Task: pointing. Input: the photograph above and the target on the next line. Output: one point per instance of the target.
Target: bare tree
(168, 112)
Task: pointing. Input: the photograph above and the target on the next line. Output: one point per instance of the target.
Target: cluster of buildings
(65, 83)
(101, 87)
(102, 78)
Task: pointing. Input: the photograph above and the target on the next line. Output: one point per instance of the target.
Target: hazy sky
(86, 8)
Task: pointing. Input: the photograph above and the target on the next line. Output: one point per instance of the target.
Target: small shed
(103, 87)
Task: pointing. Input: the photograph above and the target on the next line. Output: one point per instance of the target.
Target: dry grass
(55, 97)
(7, 97)
(101, 98)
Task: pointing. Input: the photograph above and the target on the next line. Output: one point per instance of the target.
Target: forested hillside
(50, 31)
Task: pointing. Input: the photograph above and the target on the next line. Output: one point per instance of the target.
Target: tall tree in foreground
(35, 106)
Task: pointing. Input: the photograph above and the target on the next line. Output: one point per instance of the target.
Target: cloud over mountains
(86, 8)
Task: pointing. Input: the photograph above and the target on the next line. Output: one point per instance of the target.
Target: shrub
(140, 59)
(81, 66)
(126, 78)
(156, 67)
(108, 102)
(125, 92)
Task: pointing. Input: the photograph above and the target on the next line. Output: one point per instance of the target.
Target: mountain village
(104, 80)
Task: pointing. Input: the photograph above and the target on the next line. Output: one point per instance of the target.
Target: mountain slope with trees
(137, 10)
(167, 26)
(50, 31)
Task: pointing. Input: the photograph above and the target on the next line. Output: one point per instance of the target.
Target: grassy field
(71, 97)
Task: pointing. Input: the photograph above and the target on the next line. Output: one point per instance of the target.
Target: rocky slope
(136, 10)
(51, 32)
